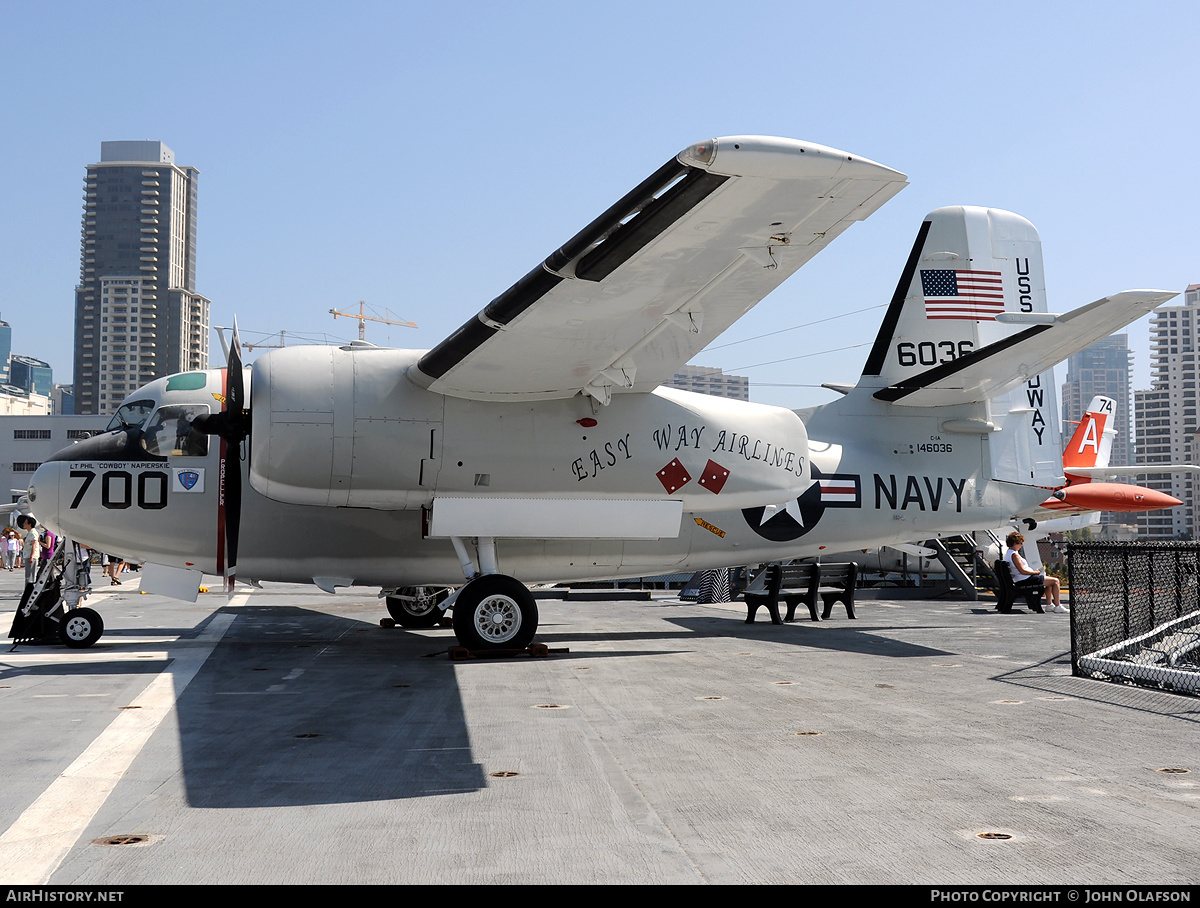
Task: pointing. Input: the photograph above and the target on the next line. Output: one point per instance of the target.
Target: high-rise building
(29, 374)
(1165, 416)
(5, 350)
(711, 381)
(62, 400)
(1101, 369)
(138, 316)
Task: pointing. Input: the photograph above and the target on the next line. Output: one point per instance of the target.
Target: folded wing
(664, 271)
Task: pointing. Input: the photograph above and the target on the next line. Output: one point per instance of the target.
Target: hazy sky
(422, 157)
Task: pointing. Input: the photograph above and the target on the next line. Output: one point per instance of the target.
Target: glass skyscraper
(1103, 368)
(5, 351)
(29, 374)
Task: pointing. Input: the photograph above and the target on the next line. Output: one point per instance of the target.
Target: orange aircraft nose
(1115, 496)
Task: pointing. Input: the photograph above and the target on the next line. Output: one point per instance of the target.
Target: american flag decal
(841, 490)
(972, 295)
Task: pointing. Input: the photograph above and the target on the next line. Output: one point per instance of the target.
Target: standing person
(1025, 576)
(31, 550)
(115, 567)
(49, 544)
(12, 544)
(83, 556)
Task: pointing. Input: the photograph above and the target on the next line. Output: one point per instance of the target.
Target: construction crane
(363, 318)
(248, 347)
(282, 343)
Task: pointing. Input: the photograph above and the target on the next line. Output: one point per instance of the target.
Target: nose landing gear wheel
(495, 612)
(80, 628)
(417, 606)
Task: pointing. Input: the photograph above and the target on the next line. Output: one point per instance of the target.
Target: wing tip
(773, 156)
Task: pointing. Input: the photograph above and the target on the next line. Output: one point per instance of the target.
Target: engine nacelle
(342, 426)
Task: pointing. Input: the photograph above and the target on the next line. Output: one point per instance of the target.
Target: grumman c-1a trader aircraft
(535, 444)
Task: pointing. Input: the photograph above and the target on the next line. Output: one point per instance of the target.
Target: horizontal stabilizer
(999, 367)
(1136, 469)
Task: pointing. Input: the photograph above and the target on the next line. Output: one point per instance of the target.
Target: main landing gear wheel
(495, 612)
(417, 606)
(80, 628)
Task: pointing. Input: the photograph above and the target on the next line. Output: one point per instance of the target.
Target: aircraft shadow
(184, 633)
(51, 669)
(296, 707)
(801, 632)
(847, 638)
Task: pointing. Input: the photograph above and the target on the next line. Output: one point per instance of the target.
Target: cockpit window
(130, 415)
(170, 432)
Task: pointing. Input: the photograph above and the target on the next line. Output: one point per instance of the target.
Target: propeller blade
(235, 391)
(232, 426)
(236, 428)
(233, 509)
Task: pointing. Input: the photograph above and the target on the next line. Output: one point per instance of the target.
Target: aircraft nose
(1152, 499)
(43, 496)
(1163, 500)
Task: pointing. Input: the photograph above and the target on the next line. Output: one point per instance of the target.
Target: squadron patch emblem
(189, 480)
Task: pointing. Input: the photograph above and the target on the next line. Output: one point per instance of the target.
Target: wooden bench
(1006, 595)
(836, 584)
(794, 584)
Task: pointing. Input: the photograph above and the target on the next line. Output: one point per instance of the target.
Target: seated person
(171, 433)
(1025, 576)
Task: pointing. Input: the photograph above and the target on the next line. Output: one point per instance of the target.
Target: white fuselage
(347, 461)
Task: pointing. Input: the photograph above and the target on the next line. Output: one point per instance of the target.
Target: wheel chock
(534, 650)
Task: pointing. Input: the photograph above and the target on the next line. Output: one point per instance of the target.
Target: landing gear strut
(492, 611)
(50, 608)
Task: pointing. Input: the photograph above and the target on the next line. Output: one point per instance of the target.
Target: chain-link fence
(1135, 615)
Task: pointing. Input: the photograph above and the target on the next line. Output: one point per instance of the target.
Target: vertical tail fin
(971, 273)
(974, 278)
(1091, 445)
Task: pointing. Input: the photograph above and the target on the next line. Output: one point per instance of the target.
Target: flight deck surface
(287, 738)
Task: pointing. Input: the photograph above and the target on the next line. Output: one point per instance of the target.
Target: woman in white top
(1022, 573)
(12, 546)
